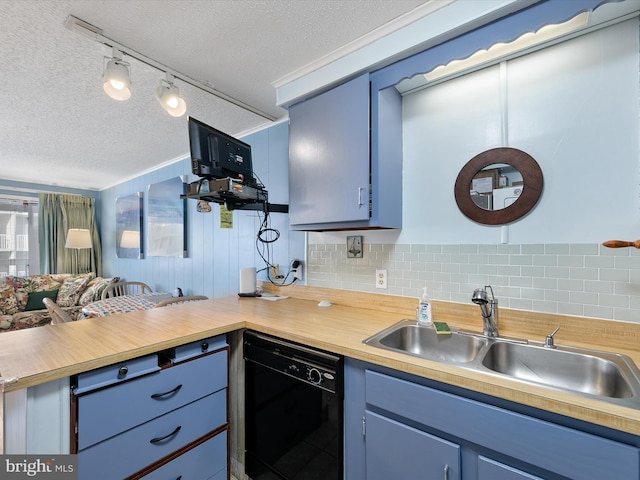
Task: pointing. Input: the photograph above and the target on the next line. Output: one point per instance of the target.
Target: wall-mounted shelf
(234, 195)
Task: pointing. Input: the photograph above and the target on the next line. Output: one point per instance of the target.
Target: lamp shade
(130, 239)
(78, 238)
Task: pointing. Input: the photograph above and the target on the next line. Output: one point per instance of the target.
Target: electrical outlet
(275, 270)
(297, 271)
(381, 279)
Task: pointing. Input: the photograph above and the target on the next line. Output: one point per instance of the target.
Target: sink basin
(423, 341)
(569, 370)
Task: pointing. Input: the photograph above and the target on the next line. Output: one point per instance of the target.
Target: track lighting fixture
(117, 84)
(169, 97)
(115, 81)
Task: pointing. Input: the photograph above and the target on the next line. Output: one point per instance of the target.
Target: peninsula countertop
(35, 356)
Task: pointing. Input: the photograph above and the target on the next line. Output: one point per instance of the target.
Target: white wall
(575, 108)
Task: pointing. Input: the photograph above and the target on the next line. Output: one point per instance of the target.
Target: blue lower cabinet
(166, 411)
(398, 451)
(401, 426)
(125, 454)
(491, 470)
(206, 461)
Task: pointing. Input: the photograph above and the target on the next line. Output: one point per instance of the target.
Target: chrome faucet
(489, 309)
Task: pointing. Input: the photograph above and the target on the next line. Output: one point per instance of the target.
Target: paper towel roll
(248, 280)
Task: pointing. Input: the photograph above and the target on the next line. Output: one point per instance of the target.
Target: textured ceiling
(57, 127)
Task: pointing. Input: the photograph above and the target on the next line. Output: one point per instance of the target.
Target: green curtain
(58, 213)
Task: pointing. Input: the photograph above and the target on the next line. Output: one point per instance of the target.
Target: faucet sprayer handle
(548, 343)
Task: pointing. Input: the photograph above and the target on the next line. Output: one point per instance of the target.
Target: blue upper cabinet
(342, 173)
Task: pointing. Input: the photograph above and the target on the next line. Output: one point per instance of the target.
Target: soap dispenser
(424, 309)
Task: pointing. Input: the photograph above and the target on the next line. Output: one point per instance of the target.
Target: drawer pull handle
(446, 472)
(160, 439)
(166, 394)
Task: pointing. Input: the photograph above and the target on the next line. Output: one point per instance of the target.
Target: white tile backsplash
(569, 279)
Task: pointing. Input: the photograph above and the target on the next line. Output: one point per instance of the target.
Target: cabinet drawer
(103, 377)
(564, 451)
(110, 411)
(134, 449)
(193, 349)
(199, 463)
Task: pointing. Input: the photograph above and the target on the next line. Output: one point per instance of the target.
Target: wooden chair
(58, 315)
(176, 300)
(125, 288)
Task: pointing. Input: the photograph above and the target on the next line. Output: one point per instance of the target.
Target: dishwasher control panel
(299, 361)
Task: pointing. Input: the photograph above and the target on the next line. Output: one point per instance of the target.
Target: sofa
(21, 297)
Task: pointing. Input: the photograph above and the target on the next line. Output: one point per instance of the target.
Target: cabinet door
(329, 161)
(491, 470)
(395, 450)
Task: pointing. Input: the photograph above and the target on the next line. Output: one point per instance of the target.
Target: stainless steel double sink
(592, 373)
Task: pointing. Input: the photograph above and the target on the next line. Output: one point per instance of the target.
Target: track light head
(169, 97)
(116, 81)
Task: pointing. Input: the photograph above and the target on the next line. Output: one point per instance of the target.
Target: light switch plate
(381, 279)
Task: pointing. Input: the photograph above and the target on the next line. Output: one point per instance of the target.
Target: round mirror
(498, 186)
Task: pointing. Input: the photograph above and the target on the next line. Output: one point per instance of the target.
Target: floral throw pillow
(71, 290)
(8, 300)
(95, 288)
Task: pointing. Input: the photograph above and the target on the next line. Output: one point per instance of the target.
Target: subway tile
(451, 249)
(460, 258)
(570, 309)
(557, 272)
(584, 298)
(545, 283)
(584, 273)
(487, 269)
(520, 260)
(624, 288)
(570, 261)
(487, 249)
(418, 248)
(532, 271)
(509, 249)
(509, 270)
(598, 287)
(613, 252)
(557, 295)
(620, 301)
(521, 304)
(557, 249)
(545, 260)
(532, 293)
(583, 249)
(628, 262)
(599, 262)
(611, 274)
(469, 249)
(526, 282)
(534, 248)
(544, 306)
(627, 315)
(598, 311)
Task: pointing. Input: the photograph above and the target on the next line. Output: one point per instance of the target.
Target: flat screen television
(214, 154)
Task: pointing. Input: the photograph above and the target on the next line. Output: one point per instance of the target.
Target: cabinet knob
(205, 346)
(122, 372)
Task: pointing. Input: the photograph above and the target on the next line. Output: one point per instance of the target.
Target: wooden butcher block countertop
(39, 355)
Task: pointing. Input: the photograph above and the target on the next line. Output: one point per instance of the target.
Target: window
(19, 253)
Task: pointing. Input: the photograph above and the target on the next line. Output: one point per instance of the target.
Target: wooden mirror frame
(531, 176)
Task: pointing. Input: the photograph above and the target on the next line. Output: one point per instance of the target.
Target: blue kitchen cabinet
(402, 423)
(345, 159)
(170, 408)
(396, 450)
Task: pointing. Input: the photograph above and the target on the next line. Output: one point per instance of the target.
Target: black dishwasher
(294, 410)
